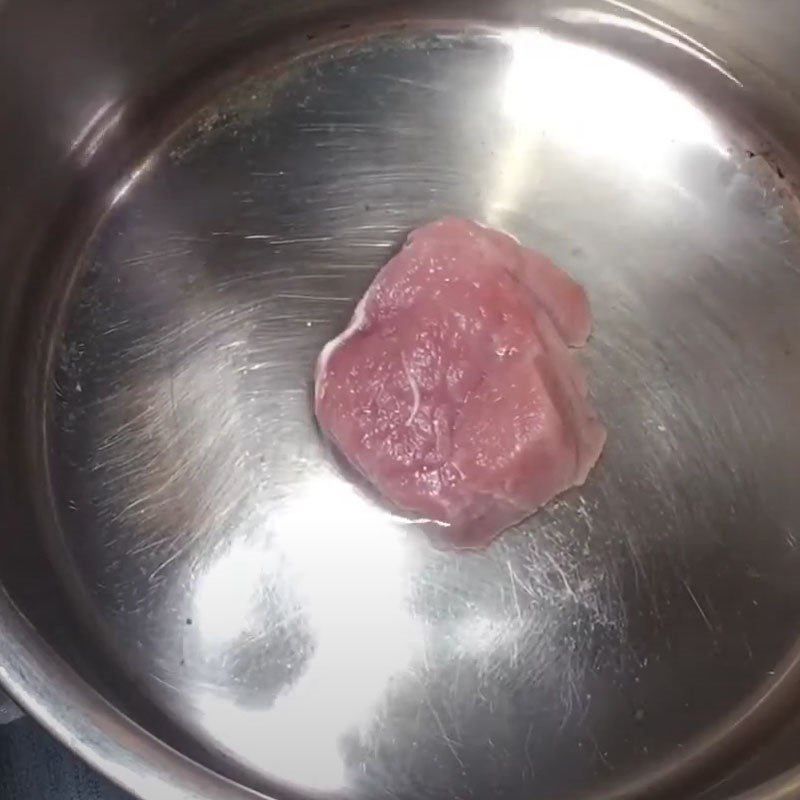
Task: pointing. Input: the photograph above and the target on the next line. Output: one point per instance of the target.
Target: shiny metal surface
(252, 625)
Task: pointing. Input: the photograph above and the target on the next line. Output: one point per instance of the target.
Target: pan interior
(306, 638)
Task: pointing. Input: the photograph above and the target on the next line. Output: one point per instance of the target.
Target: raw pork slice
(453, 390)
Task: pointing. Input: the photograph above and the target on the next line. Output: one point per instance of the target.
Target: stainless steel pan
(194, 194)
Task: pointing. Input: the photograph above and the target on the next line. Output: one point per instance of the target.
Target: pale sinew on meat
(453, 390)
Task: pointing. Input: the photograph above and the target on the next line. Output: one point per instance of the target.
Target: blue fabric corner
(33, 766)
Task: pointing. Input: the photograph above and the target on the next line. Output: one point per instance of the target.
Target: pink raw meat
(453, 390)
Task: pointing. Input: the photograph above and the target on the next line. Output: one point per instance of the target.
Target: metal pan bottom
(635, 639)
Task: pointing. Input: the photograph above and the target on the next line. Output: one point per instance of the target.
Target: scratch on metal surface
(601, 755)
(698, 606)
(314, 297)
(562, 575)
(527, 748)
(410, 82)
(155, 254)
(163, 682)
(636, 559)
(451, 745)
(520, 583)
(514, 581)
(177, 553)
(146, 546)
